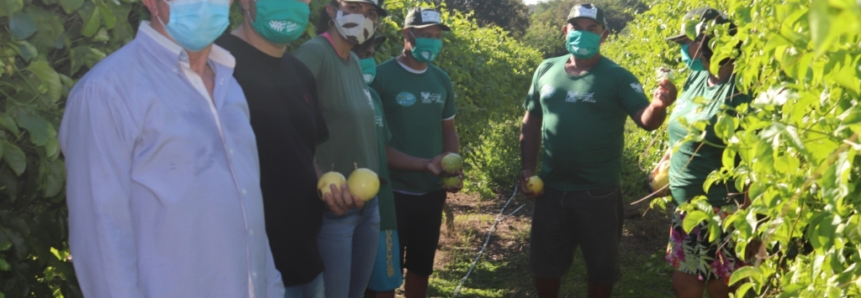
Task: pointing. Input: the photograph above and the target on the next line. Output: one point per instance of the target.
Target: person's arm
(400, 161)
(450, 140)
(97, 137)
(652, 116)
(530, 143)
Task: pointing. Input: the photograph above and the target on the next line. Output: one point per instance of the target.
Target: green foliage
(45, 47)
(797, 141)
(545, 29)
(510, 15)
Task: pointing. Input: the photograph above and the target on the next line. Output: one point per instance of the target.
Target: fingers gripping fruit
(535, 184)
(328, 179)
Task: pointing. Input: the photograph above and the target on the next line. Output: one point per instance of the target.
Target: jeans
(313, 289)
(348, 245)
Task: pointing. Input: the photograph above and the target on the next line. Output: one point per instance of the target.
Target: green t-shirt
(415, 106)
(583, 122)
(686, 182)
(347, 108)
(388, 218)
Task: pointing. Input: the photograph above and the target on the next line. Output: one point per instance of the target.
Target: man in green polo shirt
(577, 107)
(419, 104)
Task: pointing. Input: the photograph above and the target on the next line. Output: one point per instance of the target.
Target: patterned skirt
(694, 254)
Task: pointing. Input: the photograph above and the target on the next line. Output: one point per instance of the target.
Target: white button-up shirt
(163, 179)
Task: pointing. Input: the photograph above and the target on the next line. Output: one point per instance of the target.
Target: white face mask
(355, 28)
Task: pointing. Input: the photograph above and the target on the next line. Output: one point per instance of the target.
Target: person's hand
(665, 94)
(341, 201)
(524, 178)
(456, 188)
(435, 165)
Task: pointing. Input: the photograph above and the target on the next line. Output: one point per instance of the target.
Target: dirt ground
(503, 270)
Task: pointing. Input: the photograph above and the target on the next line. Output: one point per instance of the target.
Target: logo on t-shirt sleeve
(637, 87)
(547, 91)
(405, 99)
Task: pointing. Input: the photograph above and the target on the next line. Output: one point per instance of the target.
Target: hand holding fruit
(665, 94)
(660, 177)
(452, 184)
(338, 198)
(446, 165)
(344, 194)
(531, 185)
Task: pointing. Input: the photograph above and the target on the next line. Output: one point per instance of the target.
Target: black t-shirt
(288, 124)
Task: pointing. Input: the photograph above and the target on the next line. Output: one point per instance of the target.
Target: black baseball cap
(696, 21)
(419, 17)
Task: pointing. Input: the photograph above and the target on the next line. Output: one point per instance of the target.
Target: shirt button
(231, 151)
(250, 232)
(254, 274)
(244, 192)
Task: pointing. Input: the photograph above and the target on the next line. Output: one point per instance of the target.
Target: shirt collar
(217, 54)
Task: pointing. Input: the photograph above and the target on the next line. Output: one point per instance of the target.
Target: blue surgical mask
(583, 44)
(369, 69)
(195, 24)
(692, 64)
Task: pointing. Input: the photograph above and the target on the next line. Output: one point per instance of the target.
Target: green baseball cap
(419, 17)
(588, 11)
(376, 3)
(696, 21)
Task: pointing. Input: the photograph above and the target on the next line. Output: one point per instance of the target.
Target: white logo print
(576, 96)
(278, 25)
(370, 101)
(428, 97)
(292, 26)
(547, 91)
(637, 87)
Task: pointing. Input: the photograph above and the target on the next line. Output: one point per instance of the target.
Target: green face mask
(281, 21)
(369, 69)
(583, 44)
(426, 49)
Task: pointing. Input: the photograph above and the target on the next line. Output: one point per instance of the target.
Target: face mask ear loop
(415, 40)
(159, 16)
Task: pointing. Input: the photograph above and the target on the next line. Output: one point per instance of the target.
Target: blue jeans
(313, 289)
(348, 245)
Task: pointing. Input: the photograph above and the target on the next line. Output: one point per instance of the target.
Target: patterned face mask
(355, 28)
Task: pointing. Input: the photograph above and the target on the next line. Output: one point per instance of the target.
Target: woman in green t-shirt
(702, 265)
(349, 236)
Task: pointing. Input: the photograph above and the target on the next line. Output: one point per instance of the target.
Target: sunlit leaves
(796, 146)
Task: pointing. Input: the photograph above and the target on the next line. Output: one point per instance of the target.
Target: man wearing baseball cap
(418, 100)
(577, 107)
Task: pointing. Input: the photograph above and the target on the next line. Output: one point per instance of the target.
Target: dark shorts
(562, 221)
(419, 219)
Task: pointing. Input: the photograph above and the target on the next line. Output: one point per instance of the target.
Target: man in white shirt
(163, 176)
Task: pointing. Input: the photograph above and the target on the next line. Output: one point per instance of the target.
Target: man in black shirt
(288, 124)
